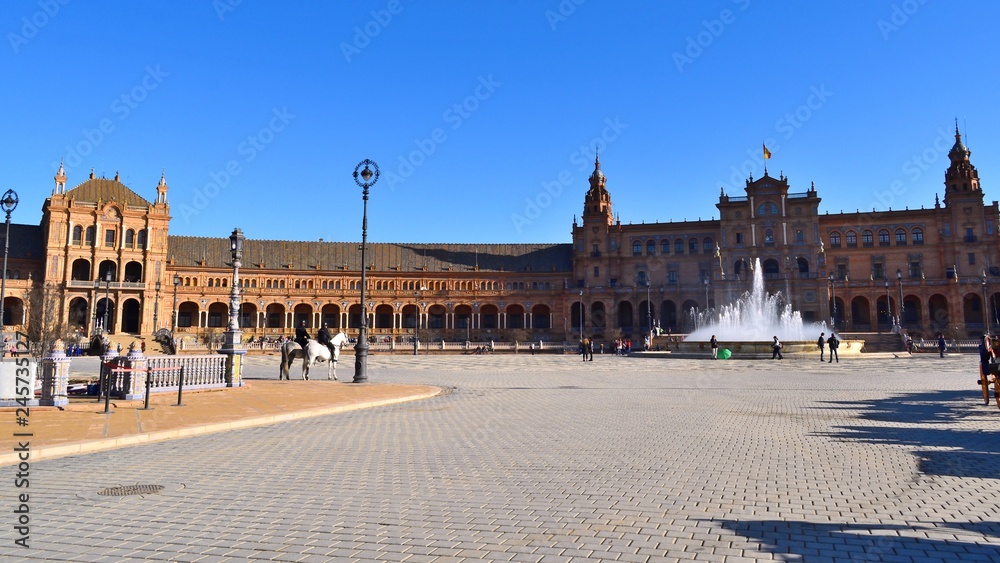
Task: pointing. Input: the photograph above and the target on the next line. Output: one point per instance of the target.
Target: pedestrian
(820, 343)
(833, 342)
(6, 345)
(776, 349)
(714, 346)
(583, 348)
(909, 344)
(532, 348)
(142, 346)
(941, 344)
(602, 348)
(986, 357)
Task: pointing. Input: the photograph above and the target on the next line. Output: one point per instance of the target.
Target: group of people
(831, 342)
(323, 337)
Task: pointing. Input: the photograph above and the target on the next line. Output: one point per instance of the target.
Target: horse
(314, 352)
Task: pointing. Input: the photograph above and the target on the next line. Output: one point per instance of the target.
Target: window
(878, 271)
(972, 258)
(109, 238)
(597, 271)
(693, 246)
(739, 238)
(915, 269)
(707, 246)
(672, 276)
(768, 236)
(767, 208)
(678, 246)
(800, 237)
(77, 234)
(636, 248)
(184, 319)
(214, 319)
(664, 246)
(841, 271)
(918, 236)
(614, 282)
(91, 235)
(650, 248)
(641, 278)
(596, 251)
(852, 239)
(900, 237)
(969, 235)
(835, 239)
(867, 239)
(130, 239)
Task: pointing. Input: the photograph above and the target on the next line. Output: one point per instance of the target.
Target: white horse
(314, 352)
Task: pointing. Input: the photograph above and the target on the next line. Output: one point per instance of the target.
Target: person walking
(833, 342)
(986, 356)
(941, 344)
(583, 348)
(820, 343)
(776, 349)
(714, 346)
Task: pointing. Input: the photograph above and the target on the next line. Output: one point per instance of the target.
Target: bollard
(180, 388)
(107, 394)
(149, 383)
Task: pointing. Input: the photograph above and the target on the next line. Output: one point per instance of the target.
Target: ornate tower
(597, 202)
(961, 180)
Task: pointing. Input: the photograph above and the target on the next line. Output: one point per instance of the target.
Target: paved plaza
(547, 458)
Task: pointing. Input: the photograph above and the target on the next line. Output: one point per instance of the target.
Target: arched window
(852, 239)
(918, 235)
(129, 238)
(678, 246)
(883, 237)
(707, 245)
(900, 237)
(91, 233)
(141, 239)
(636, 248)
(650, 248)
(835, 239)
(77, 234)
(767, 208)
(867, 238)
(664, 246)
(768, 236)
(693, 246)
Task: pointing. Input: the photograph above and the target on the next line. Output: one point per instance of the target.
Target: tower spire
(60, 179)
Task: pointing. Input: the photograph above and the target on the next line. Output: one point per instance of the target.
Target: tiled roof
(25, 242)
(386, 257)
(103, 189)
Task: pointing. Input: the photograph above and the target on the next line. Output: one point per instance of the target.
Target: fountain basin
(754, 350)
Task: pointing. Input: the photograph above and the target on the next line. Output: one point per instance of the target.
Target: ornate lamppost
(365, 178)
(416, 325)
(156, 308)
(902, 306)
(986, 305)
(8, 203)
(107, 298)
(233, 336)
(888, 306)
(833, 300)
(581, 317)
(173, 321)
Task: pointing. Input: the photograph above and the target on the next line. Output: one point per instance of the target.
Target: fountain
(747, 326)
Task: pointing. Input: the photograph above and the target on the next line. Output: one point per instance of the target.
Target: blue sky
(484, 116)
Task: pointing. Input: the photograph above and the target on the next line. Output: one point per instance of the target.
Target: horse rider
(301, 335)
(324, 338)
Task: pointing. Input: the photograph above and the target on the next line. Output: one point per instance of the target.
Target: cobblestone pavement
(542, 458)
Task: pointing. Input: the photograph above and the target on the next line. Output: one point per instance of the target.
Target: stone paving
(545, 458)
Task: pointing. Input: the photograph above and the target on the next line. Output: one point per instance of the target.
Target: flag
(767, 153)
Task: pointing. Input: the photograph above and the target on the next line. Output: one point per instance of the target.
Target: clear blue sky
(484, 115)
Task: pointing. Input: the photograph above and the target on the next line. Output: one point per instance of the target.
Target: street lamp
(833, 299)
(888, 305)
(8, 203)
(107, 298)
(236, 241)
(986, 307)
(173, 322)
(902, 306)
(416, 325)
(156, 308)
(581, 316)
(366, 178)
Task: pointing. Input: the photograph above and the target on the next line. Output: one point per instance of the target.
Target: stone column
(134, 381)
(55, 377)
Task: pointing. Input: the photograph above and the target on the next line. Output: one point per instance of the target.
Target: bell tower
(961, 180)
(597, 202)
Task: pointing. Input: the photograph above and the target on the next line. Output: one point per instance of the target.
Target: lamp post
(8, 203)
(366, 178)
(156, 308)
(833, 300)
(581, 317)
(888, 306)
(173, 321)
(416, 325)
(107, 298)
(232, 338)
(986, 305)
(902, 306)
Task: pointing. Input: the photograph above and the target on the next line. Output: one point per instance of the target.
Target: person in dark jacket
(301, 335)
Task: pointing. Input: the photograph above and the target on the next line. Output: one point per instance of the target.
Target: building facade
(103, 258)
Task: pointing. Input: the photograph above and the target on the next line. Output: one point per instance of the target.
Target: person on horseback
(301, 335)
(324, 338)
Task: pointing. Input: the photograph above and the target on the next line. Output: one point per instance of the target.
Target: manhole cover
(130, 490)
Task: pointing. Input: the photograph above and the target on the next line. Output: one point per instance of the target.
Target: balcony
(87, 284)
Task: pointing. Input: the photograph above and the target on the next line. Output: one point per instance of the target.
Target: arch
(861, 313)
(917, 235)
(384, 316)
(689, 307)
(131, 316)
(912, 311)
(133, 272)
(13, 311)
(900, 236)
(665, 246)
(851, 239)
(803, 264)
(741, 269)
(78, 235)
(105, 310)
(771, 268)
(515, 316)
(576, 318)
(867, 238)
(972, 311)
(81, 270)
(937, 309)
(79, 314)
(463, 317)
(636, 248)
(274, 316)
(885, 307)
(668, 314)
(248, 315)
(650, 247)
(540, 316)
(354, 315)
(331, 315)
(838, 313)
(436, 316)
(679, 246)
(692, 245)
(302, 312)
(647, 315)
(598, 316)
(105, 267)
(410, 316)
(218, 315)
(489, 317)
(625, 320)
(187, 314)
(835, 239)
